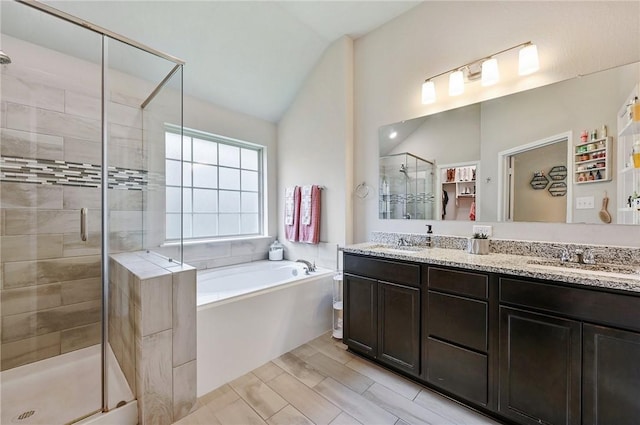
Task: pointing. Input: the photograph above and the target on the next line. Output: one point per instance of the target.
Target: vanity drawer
(390, 271)
(459, 320)
(473, 285)
(460, 371)
(619, 310)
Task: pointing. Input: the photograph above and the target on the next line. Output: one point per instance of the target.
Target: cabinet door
(360, 314)
(540, 362)
(399, 326)
(611, 376)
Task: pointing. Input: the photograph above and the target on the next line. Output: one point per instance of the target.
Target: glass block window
(219, 184)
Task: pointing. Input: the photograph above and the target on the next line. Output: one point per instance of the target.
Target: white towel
(289, 205)
(305, 206)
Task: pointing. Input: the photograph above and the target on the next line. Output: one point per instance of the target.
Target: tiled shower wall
(51, 148)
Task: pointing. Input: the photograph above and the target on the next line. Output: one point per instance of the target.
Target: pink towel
(291, 213)
(310, 215)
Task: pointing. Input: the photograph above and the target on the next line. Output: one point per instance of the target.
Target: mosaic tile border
(66, 173)
(603, 253)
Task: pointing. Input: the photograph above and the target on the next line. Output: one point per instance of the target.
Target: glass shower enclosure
(82, 124)
(406, 187)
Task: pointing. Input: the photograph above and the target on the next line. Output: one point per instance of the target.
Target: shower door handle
(83, 223)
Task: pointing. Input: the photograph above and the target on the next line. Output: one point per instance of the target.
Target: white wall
(391, 63)
(315, 138)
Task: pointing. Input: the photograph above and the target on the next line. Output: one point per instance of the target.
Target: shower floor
(60, 389)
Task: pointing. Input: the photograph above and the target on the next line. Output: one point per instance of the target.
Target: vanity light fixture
(456, 83)
(528, 60)
(485, 69)
(490, 72)
(428, 92)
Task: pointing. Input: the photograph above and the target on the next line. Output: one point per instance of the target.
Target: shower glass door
(82, 180)
(140, 102)
(50, 200)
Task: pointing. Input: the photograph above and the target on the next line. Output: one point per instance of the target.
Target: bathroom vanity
(520, 342)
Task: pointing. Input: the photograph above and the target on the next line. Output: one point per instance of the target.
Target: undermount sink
(601, 269)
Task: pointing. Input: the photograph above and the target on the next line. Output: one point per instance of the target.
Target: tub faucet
(309, 267)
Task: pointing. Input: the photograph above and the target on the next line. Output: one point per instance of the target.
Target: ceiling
(246, 56)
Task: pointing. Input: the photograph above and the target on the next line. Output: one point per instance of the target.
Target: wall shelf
(592, 158)
(628, 177)
(631, 128)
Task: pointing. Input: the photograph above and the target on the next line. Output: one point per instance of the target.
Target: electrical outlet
(487, 230)
(585, 203)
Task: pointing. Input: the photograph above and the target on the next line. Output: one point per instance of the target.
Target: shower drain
(22, 416)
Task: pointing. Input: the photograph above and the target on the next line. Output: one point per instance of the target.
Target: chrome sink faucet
(583, 256)
(403, 242)
(565, 255)
(308, 266)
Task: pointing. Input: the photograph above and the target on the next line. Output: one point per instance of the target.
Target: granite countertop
(516, 265)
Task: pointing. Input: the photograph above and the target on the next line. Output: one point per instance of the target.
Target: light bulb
(393, 135)
(528, 60)
(428, 92)
(456, 83)
(490, 72)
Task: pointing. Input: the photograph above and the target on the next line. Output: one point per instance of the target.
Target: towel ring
(362, 190)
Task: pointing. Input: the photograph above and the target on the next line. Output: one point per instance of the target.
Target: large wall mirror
(526, 157)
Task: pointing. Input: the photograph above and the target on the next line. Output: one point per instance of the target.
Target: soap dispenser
(429, 241)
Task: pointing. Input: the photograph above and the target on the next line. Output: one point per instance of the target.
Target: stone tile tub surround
(154, 308)
(220, 253)
(450, 251)
(603, 254)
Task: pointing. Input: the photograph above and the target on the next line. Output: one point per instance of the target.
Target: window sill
(216, 240)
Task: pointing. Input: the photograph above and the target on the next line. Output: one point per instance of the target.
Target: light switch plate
(585, 203)
(487, 230)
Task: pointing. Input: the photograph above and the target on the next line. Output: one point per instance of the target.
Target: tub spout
(310, 267)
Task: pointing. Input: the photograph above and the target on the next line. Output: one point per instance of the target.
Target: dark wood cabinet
(611, 376)
(456, 333)
(540, 362)
(361, 315)
(526, 350)
(382, 311)
(399, 326)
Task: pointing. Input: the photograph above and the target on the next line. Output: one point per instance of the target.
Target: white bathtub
(252, 313)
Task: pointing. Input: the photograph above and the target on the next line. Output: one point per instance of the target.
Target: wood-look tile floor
(321, 383)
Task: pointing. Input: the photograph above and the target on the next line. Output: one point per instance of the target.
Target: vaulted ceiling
(250, 57)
